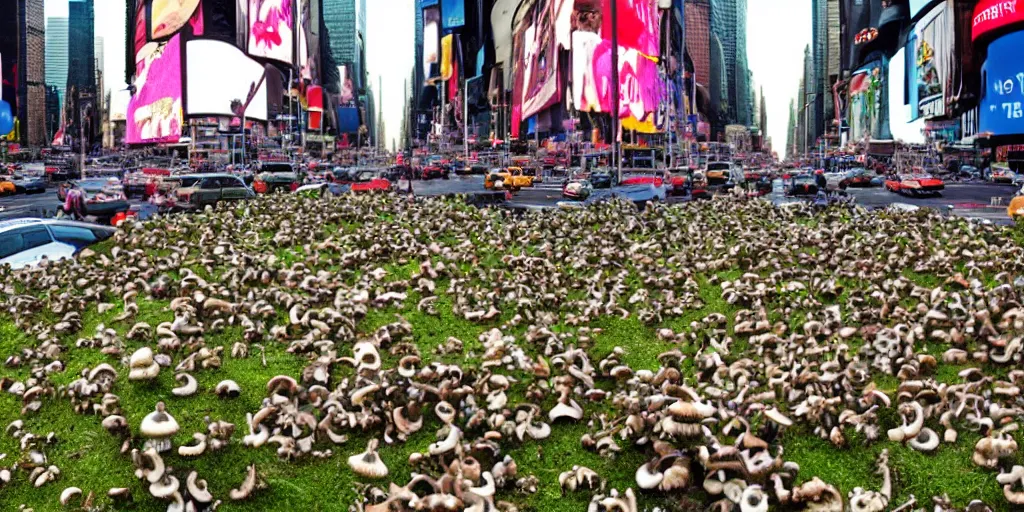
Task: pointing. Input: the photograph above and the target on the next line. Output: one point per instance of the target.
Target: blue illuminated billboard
(1002, 99)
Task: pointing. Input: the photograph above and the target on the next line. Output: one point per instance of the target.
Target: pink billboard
(639, 87)
(638, 25)
(271, 29)
(539, 60)
(154, 111)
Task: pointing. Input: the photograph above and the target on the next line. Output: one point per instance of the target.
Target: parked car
(801, 185)
(578, 189)
(718, 173)
(7, 186)
(371, 180)
(101, 199)
(199, 190)
(859, 177)
(434, 170)
(914, 184)
(969, 172)
(604, 178)
(26, 242)
(270, 182)
(28, 184)
(1001, 174)
(511, 178)
(679, 179)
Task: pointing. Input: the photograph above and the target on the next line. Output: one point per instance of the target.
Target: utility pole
(615, 89)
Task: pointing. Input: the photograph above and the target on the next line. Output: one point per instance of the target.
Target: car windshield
(188, 181)
(276, 168)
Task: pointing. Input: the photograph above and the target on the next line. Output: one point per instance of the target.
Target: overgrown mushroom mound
(375, 354)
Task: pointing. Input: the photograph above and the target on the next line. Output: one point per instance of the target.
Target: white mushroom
(197, 488)
(228, 389)
(159, 427)
(447, 444)
(142, 366)
(368, 464)
(69, 494)
(189, 386)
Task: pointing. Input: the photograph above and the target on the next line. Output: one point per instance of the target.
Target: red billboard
(992, 15)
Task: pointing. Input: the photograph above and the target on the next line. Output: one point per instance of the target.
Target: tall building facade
(98, 52)
(346, 22)
(698, 38)
(23, 60)
(57, 54)
(81, 88)
(833, 63)
(819, 65)
(729, 23)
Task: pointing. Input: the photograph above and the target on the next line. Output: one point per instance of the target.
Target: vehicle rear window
(75, 236)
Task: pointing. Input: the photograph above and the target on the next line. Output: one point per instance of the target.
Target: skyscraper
(23, 57)
(729, 23)
(98, 52)
(698, 38)
(819, 65)
(57, 54)
(81, 46)
(346, 22)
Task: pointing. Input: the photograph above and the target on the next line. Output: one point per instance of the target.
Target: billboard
(154, 112)
(141, 33)
(454, 13)
(900, 125)
(431, 40)
(991, 15)
(271, 25)
(639, 86)
(536, 60)
(865, 113)
(166, 17)
(932, 43)
(218, 79)
(637, 22)
(348, 119)
(306, 61)
(1002, 97)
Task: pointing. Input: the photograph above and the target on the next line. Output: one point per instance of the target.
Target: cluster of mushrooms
(771, 323)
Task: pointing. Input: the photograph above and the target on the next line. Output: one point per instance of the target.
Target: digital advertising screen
(540, 60)
(431, 40)
(167, 17)
(271, 29)
(933, 41)
(154, 112)
(218, 79)
(638, 25)
(1002, 100)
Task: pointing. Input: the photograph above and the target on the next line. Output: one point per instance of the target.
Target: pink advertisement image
(639, 87)
(638, 25)
(271, 29)
(169, 16)
(154, 111)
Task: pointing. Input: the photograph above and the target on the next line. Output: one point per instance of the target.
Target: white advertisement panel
(899, 104)
(218, 78)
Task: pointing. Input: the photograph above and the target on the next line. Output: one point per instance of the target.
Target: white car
(27, 242)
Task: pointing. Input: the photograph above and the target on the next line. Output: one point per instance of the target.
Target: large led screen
(154, 112)
(454, 13)
(431, 40)
(139, 37)
(271, 25)
(1002, 99)
(304, 34)
(865, 113)
(218, 77)
(639, 85)
(933, 43)
(168, 16)
(637, 22)
(538, 59)
(900, 125)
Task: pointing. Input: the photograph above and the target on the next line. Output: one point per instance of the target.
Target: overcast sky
(777, 31)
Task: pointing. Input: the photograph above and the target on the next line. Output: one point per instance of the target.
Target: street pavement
(971, 200)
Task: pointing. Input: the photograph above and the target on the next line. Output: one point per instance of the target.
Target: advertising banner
(348, 119)
(166, 17)
(899, 104)
(639, 87)
(1002, 99)
(865, 113)
(990, 15)
(141, 34)
(431, 41)
(271, 29)
(539, 58)
(219, 78)
(306, 61)
(638, 25)
(453, 13)
(932, 43)
(446, 56)
(154, 112)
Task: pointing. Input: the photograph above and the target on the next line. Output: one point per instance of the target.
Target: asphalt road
(971, 200)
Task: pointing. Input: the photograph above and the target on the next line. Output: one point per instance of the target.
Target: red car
(370, 181)
(915, 184)
(644, 180)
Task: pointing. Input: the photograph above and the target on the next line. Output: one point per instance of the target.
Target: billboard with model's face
(639, 86)
(431, 40)
(154, 112)
(271, 29)
(168, 16)
(865, 112)
(218, 79)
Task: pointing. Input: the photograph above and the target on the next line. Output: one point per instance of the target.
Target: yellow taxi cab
(511, 178)
(7, 186)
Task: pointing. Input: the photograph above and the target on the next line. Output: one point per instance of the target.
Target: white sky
(390, 27)
(777, 31)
